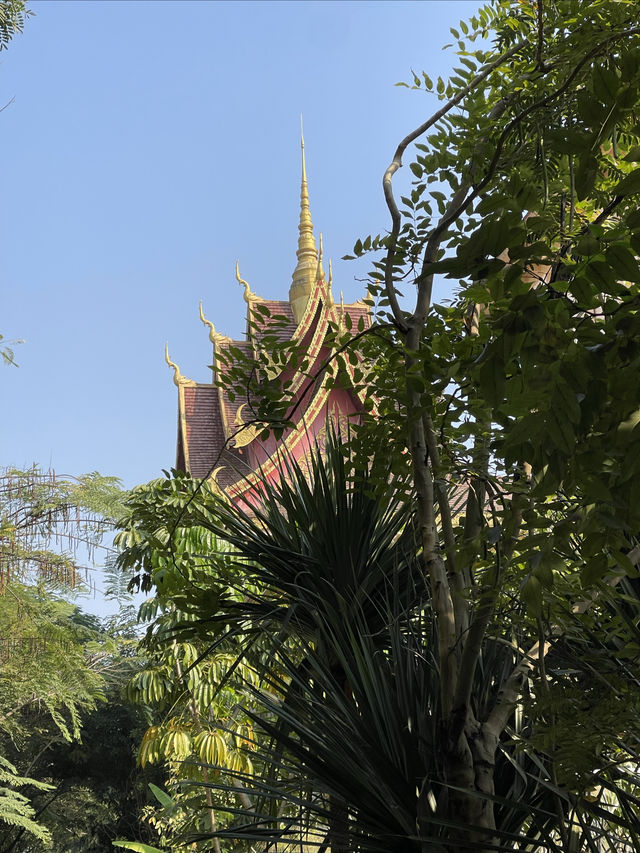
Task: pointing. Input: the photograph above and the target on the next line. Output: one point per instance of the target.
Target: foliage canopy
(442, 719)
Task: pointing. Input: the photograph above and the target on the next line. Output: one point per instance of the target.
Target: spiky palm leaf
(348, 706)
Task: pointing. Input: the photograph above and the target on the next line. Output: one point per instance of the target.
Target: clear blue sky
(150, 145)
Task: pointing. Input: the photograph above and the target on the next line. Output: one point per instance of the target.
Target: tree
(52, 669)
(519, 398)
(41, 511)
(65, 723)
(13, 14)
(192, 685)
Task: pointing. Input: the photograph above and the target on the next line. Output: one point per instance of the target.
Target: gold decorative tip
(249, 295)
(319, 269)
(212, 328)
(177, 376)
(304, 274)
(214, 336)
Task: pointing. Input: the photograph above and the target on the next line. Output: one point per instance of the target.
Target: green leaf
(588, 245)
(594, 569)
(137, 846)
(161, 796)
(633, 219)
(605, 83)
(630, 424)
(630, 184)
(568, 140)
(582, 290)
(531, 592)
(625, 266)
(586, 175)
(601, 275)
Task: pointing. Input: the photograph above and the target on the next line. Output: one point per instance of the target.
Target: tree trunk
(468, 774)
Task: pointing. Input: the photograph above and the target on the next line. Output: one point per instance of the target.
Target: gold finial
(212, 329)
(303, 275)
(319, 269)
(214, 336)
(177, 376)
(341, 313)
(249, 295)
(329, 295)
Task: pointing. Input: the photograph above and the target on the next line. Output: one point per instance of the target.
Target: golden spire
(319, 269)
(304, 273)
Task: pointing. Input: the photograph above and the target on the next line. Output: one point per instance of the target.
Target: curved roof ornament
(214, 336)
(246, 433)
(249, 295)
(213, 480)
(178, 378)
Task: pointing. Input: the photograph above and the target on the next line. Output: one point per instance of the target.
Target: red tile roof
(205, 435)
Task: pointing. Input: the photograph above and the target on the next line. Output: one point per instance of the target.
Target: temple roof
(216, 438)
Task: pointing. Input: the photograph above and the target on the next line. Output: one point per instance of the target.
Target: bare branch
(451, 215)
(396, 163)
(539, 62)
(509, 694)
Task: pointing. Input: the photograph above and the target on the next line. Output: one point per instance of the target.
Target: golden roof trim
(290, 443)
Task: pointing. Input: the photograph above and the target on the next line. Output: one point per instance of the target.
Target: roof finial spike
(249, 295)
(304, 165)
(177, 376)
(319, 269)
(329, 283)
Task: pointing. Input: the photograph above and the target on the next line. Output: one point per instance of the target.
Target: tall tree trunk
(468, 774)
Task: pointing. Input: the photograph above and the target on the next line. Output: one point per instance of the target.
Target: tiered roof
(214, 440)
